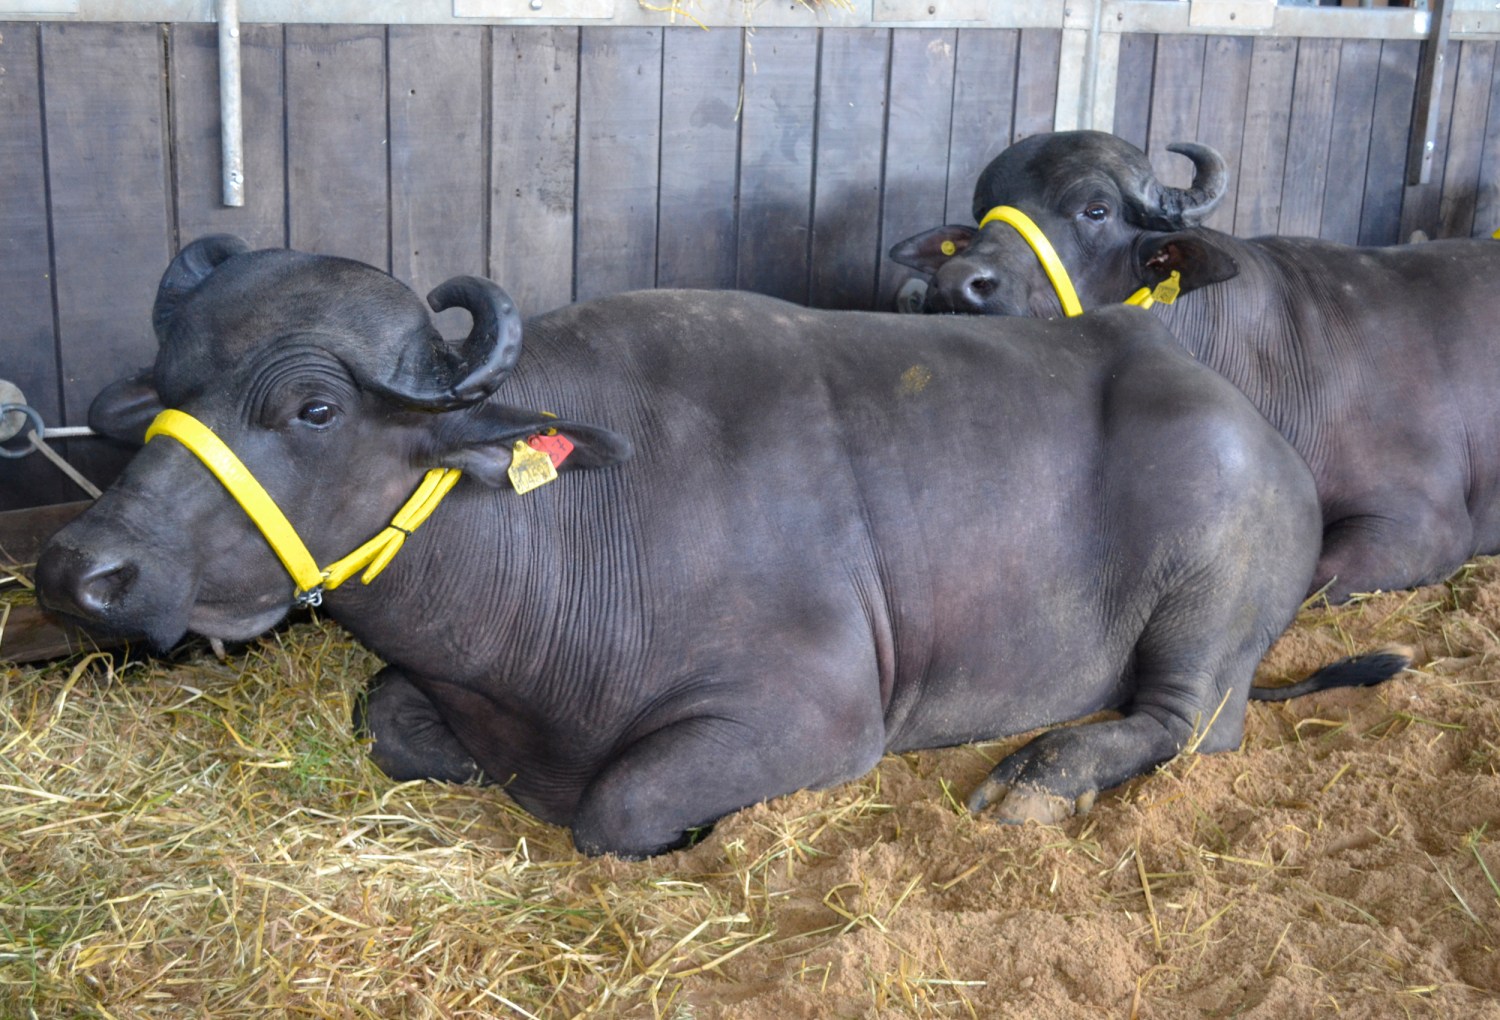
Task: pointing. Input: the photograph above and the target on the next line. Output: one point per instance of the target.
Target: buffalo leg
(409, 739)
(691, 773)
(1373, 552)
(1061, 771)
(1193, 666)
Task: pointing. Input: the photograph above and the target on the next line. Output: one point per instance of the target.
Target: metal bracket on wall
(1240, 15)
(563, 10)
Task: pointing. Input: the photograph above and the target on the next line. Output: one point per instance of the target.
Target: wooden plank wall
(571, 162)
(1315, 131)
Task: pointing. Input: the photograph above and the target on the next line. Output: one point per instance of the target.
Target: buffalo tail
(1355, 671)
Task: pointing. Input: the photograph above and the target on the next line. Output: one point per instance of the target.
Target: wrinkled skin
(1380, 365)
(789, 541)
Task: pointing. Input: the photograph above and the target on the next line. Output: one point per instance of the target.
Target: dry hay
(187, 837)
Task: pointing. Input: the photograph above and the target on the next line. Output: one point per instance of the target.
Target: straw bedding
(189, 837)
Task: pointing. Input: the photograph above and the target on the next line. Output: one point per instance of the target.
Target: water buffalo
(783, 543)
(1380, 365)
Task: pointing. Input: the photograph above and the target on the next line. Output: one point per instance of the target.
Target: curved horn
(485, 357)
(1187, 208)
(190, 268)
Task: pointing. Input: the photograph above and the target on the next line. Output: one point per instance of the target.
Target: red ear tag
(557, 447)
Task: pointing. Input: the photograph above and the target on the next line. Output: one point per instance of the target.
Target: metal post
(232, 128)
(1429, 96)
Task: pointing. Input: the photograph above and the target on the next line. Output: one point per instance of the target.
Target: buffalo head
(1114, 226)
(329, 382)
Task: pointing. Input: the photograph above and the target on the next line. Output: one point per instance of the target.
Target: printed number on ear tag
(529, 468)
(556, 446)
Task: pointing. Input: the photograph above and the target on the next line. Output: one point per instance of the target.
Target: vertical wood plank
(700, 137)
(105, 131)
(1309, 127)
(1221, 114)
(1133, 88)
(776, 159)
(1263, 154)
(1349, 140)
(984, 98)
(1421, 204)
(196, 153)
(338, 184)
(619, 141)
(1395, 87)
(534, 104)
(916, 145)
(437, 158)
(1465, 144)
(1175, 102)
(846, 190)
(27, 339)
(1487, 201)
(1036, 81)
(1073, 63)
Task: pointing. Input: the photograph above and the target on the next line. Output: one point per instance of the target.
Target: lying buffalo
(1380, 365)
(783, 541)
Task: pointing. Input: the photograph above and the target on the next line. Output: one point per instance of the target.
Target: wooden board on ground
(27, 634)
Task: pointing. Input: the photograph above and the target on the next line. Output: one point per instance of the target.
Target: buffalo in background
(1381, 366)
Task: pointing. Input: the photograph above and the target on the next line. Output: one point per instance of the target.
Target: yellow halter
(1166, 292)
(311, 582)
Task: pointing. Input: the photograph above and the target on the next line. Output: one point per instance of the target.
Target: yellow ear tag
(948, 248)
(1166, 292)
(529, 468)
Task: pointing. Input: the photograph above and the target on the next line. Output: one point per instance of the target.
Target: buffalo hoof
(409, 739)
(1021, 804)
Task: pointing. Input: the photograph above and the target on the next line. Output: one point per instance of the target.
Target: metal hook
(39, 444)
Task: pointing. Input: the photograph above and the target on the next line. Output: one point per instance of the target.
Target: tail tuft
(1355, 671)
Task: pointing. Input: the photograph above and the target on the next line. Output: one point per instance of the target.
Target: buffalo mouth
(234, 621)
(122, 600)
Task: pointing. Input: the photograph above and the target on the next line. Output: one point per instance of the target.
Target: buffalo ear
(125, 408)
(926, 252)
(481, 446)
(1189, 253)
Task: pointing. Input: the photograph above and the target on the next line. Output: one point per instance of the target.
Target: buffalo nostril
(103, 586)
(983, 286)
(71, 582)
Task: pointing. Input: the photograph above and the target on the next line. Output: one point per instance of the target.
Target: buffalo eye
(316, 413)
(1096, 211)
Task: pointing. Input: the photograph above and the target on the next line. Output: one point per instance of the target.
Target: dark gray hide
(1380, 365)
(839, 534)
